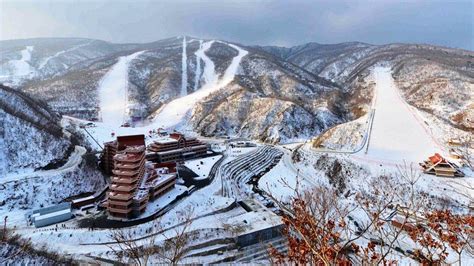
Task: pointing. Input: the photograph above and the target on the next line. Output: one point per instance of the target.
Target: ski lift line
(90, 135)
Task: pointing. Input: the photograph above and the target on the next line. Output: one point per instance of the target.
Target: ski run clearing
(15, 70)
(113, 92)
(397, 133)
(184, 74)
(176, 112)
(45, 61)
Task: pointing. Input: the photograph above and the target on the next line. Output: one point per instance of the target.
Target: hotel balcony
(111, 202)
(117, 210)
(122, 188)
(124, 173)
(129, 158)
(119, 196)
(124, 180)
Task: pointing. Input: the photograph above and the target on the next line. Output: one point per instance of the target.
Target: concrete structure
(51, 215)
(175, 148)
(262, 223)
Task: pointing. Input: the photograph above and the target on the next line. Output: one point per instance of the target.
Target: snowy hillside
(30, 135)
(351, 121)
(35, 59)
(276, 94)
(39, 162)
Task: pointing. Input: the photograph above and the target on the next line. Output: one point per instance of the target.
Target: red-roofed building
(438, 165)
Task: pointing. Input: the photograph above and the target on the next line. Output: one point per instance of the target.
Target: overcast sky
(285, 23)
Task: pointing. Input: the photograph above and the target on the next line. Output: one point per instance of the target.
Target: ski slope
(15, 70)
(176, 112)
(113, 92)
(197, 78)
(397, 134)
(45, 61)
(184, 71)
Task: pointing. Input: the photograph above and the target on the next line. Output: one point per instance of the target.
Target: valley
(275, 122)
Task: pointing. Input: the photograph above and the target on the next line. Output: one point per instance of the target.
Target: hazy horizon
(442, 23)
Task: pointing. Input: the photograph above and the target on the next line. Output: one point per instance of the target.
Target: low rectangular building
(175, 148)
(51, 215)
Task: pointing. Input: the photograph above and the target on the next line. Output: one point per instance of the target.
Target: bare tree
(465, 150)
(319, 231)
(177, 240)
(127, 247)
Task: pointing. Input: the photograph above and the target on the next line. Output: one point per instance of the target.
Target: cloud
(286, 23)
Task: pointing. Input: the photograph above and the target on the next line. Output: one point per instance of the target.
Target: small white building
(51, 215)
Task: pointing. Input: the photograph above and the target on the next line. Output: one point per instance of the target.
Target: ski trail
(22, 67)
(198, 68)
(394, 122)
(46, 60)
(184, 74)
(209, 74)
(177, 111)
(113, 92)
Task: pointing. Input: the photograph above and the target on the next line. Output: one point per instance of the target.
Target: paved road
(74, 160)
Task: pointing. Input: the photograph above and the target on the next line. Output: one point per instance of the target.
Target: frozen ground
(197, 78)
(400, 137)
(113, 92)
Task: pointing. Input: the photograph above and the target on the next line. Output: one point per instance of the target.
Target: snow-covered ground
(197, 78)
(74, 160)
(15, 70)
(113, 92)
(45, 61)
(202, 166)
(400, 138)
(397, 133)
(184, 70)
(176, 112)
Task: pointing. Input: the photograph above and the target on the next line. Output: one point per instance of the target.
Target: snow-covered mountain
(40, 162)
(274, 94)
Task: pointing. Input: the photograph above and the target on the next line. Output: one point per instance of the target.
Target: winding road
(74, 160)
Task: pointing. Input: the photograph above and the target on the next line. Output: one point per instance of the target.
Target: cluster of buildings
(174, 148)
(140, 173)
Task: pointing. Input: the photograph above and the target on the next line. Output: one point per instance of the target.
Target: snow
(177, 111)
(184, 74)
(74, 160)
(202, 166)
(164, 200)
(397, 133)
(198, 67)
(20, 68)
(45, 61)
(51, 214)
(281, 180)
(113, 92)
